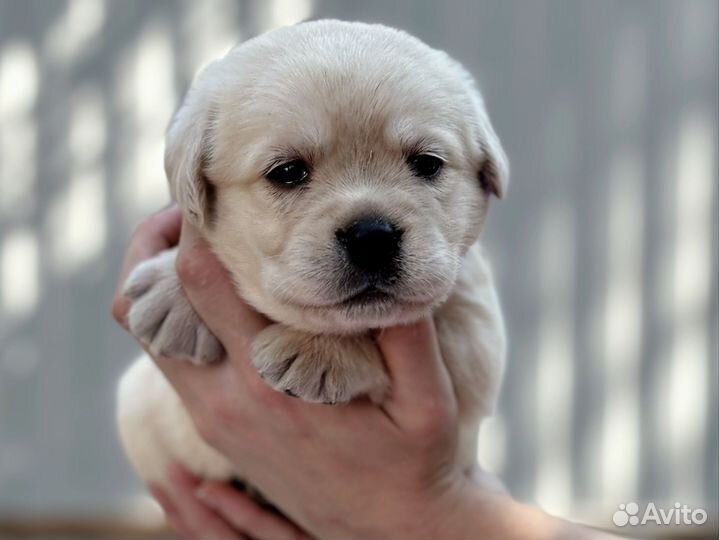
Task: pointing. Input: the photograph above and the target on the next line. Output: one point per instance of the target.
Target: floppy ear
(494, 171)
(187, 149)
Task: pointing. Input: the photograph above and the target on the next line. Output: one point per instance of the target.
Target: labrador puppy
(342, 173)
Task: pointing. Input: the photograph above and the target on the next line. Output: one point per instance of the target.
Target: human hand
(306, 458)
(238, 516)
(361, 470)
(153, 235)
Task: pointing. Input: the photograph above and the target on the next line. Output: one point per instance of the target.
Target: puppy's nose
(372, 245)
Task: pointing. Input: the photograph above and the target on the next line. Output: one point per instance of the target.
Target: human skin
(361, 470)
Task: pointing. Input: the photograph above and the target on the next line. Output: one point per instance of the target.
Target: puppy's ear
(188, 149)
(493, 173)
(494, 170)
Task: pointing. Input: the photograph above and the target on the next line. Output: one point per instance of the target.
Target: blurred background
(605, 249)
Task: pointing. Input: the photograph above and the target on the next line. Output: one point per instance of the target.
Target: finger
(246, 515)
(420, 381)
(157, 233)
(213, 296)
(203, 523)
(212, 293)
(172, 514)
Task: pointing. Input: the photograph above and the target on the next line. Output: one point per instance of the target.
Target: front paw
(319, 368)
(161, 316)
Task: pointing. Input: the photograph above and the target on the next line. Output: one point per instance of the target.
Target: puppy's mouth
(368, 296)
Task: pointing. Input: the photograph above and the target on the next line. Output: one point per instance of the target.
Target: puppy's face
(339, 170)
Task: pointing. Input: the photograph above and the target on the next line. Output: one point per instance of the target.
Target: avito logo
(679, 514)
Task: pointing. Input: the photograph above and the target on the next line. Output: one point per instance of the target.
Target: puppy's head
(339, 170)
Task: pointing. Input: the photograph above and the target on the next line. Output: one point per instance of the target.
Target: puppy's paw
(319, 368)
(162, 318)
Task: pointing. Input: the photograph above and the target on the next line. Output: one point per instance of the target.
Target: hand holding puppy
(346, 200)
(357, 471)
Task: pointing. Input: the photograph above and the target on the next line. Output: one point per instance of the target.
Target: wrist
(482, 507)
(443, 512)
(487, 510)
(452, 515)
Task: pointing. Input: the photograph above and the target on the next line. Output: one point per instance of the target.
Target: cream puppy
(342, 173)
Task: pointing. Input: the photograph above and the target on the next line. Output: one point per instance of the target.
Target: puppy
(342, 173)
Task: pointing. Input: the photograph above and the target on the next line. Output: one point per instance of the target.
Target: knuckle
(420, 430)
(433, 419)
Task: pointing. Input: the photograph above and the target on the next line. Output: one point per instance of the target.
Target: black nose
(372, 245)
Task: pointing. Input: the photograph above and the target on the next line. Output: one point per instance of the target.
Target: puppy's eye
(425, 165)
(292, 173)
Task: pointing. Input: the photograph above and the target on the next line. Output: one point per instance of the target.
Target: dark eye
(425, 165)
(292, 173)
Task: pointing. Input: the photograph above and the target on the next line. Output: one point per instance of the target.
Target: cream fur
(352, 100)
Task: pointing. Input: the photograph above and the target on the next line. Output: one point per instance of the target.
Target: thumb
(212, 293)
(420, 381)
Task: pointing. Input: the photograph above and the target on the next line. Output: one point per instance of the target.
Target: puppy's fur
(354, 102)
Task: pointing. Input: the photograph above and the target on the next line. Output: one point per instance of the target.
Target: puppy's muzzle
(372, 246)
